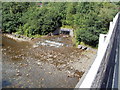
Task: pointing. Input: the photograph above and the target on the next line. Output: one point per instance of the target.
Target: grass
(36, 36)
(82, 43)
(66, 26)
(30, 36)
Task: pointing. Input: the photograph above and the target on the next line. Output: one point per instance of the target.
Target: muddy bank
(44, 66)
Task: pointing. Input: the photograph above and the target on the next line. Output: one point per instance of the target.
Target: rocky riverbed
(44, 66)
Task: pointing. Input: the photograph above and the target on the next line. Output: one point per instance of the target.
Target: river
(23, 67)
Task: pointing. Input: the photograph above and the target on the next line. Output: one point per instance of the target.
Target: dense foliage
(0, 15)
(88, 19)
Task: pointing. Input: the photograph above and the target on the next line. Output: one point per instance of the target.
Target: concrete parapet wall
(104, 46)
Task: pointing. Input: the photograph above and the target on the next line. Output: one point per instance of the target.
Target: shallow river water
(26, 67)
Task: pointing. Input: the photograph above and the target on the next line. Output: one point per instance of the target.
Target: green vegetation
(88, 19)
(0, 15)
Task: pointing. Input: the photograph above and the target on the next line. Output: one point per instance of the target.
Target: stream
(26, 67)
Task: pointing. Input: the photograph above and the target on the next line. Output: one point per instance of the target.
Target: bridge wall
(94, 76)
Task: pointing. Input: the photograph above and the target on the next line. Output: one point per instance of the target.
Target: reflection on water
(22, 69)
(5, 83)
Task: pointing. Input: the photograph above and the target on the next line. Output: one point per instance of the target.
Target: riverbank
(17, 37)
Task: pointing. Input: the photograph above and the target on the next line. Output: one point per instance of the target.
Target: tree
(88, 19)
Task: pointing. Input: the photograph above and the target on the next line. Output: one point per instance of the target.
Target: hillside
(88, 19)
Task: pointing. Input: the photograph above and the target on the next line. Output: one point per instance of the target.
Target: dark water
(22, 70)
